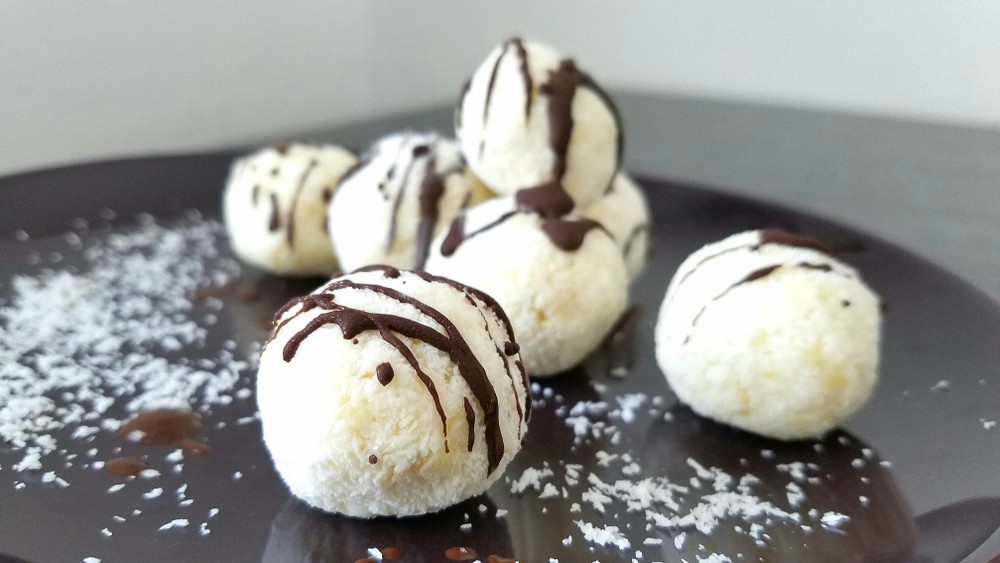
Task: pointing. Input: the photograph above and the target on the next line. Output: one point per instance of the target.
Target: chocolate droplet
(511, 348)
(125, 466)
(373, 459)
(384, 373)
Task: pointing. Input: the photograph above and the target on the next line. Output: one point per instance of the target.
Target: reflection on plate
(903, 479)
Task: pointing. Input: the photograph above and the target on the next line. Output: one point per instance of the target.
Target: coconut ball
(274, 207)
(625, 214)
(768, 332)
(561, 280)
(404, 190)
(529, 116)
(391, 393)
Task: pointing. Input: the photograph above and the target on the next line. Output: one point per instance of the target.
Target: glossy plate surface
(915, 471)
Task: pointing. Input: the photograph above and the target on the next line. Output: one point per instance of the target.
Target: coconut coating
(274, 207)
(389, 393)
(404, 190)
(625, 214)
(766, 332)
(529, 116)
(560, 301)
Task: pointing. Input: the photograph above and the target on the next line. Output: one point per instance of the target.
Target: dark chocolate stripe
(561, 88)
(634, 236)
(352, 322)
(274, 223)
(290, 233)
(470, 418)
(432, 189)
(489, 97)
(457, 235)
(751, 277)
(548, 200)
(254, 194)
(568, 235)
(522, 56)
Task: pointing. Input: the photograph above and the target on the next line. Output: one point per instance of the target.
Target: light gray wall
(106, 78)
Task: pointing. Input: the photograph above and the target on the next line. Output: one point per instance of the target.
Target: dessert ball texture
(561, 280)
(625, 214)
(766, 331)
(529, 116)
(391, 393)
(404, 190)
(274, 207)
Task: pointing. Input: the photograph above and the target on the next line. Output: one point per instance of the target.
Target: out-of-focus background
(816, 104)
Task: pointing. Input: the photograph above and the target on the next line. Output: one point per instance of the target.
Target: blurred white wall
(108, 78)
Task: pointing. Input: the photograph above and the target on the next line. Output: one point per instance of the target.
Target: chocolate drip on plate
(125, 466)
(459, 553)
(165, 426)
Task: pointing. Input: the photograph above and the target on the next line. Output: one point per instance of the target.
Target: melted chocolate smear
(620, 343)
(511, 348)
(456, 233)
(777, 236)
(207, 292)
(561, 88)
(547, 200)
(125, 466)
(470, 418)
(569, 235)
(353, 322)
(275, 222)
(460, 554)
(290, 233)
(165, 426)
(390, 553)
(383, 372)
(248, 294)
(373, 459)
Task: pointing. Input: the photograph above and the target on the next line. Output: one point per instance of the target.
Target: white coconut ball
(624, 212)
(274, 207)
(404, 190)
(767, 332)
(529, 116)
(562, 281)
(391, 393)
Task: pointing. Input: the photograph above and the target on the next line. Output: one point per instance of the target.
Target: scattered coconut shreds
(111, 333)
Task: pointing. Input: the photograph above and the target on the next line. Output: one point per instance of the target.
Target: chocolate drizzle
(432, 189)
(547, 200)
(470, 418)
(384, 373)
(777, 236)
(275, 222)
(522, 56)
(290, 232)
(457, 235)
(634, 236)
(561, 88)
(352, 322)
(568, 235)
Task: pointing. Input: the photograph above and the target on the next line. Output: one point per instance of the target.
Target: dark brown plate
(934, 499)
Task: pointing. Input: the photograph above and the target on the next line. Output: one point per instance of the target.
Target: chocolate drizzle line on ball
(548, 200)
(522, 56)
(470, 418)
(633, 237)
(275, 222)
(432, 189)
(353, 321)
(290, 233)
(561, 88)
(165, 426)
(568, 235)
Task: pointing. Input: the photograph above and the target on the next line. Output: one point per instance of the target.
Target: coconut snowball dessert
(768, 332)
(560, 278)
(391, 393)
(405, 189)
(274, 207)
(625, 214)
(529, 116)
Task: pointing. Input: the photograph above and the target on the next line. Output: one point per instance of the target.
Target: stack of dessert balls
(474, 263)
